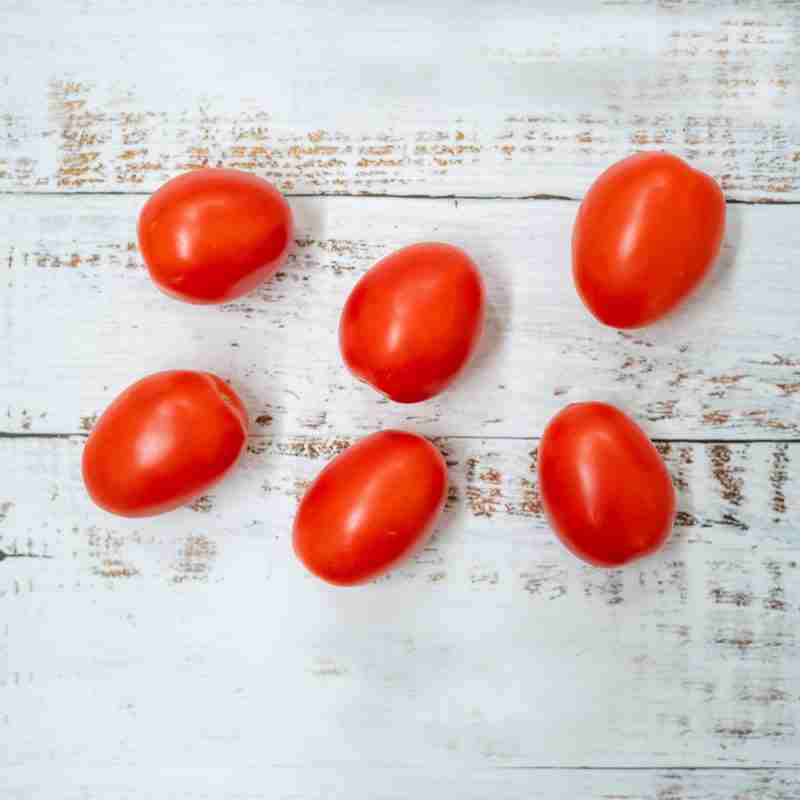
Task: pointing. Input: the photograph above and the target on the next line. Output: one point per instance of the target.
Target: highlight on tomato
(646, 235)
(413, 321)
(370, 507)
(164, 442)
(212, 235)
(605, 489)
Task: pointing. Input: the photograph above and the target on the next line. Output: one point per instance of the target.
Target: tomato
(411, 324)
(646, 234)
(212, 235)
(604, 487)
(370, 507)
(163, 442)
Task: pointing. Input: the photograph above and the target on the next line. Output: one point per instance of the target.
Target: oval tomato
(411, 324)
(604, 487)
(163, 442)
(370, 507)
(646, 234)
(212, 235)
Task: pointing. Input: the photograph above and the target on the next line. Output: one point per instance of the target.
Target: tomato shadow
(495, 327)
(679, 459)
(451, 514)
(450, 517)
(308, 219)
(719, 277)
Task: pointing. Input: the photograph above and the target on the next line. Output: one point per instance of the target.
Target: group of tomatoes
(646, 234)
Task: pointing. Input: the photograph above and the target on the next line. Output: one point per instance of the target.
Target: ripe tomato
(412, 322)
(163, 442)
(212, 235)
(604, 487)
(646, 234)
(370, 507)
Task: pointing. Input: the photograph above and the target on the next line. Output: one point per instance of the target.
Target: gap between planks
(670, 768)
(460, 437)
(767, 201)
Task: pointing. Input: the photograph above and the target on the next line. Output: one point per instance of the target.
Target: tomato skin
(604, 487)
(163, 442)
(370, 507)
(212, 235)
(411, 324)
(647, 233)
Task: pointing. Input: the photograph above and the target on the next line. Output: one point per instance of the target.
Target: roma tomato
(604, 487)
(412, 322)
(212, 235)
(163, 442)
(646, 234)
(370, 507)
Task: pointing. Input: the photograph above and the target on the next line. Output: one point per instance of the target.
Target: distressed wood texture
(190, 656)
(303, 783)
(500, 98)
(195, 640)
(82, 320)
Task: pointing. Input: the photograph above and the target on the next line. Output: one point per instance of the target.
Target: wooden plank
(392, 783)
(499, 99)
(81, 320)
(195, 640)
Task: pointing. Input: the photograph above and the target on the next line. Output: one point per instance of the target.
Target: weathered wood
(190, 656)
(482, 99)
(82, 320)
(392, 783)
(196, 640)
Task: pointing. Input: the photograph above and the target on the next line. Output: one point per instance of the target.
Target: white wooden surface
(472, 98)
(390, 783)
(84, 319)
(189, 656)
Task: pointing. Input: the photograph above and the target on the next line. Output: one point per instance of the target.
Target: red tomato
(646, 235)
(370, 507)
(412, 322)
(212, 235)
(163, 442)
(605, 489)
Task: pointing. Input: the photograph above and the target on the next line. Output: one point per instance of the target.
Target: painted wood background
(189, 656)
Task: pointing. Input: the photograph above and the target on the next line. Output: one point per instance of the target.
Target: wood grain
(189, 656)
(500, 99)
(82, 320)
(392, 783)
(491, 647)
